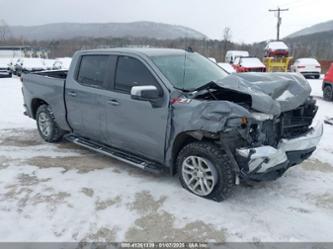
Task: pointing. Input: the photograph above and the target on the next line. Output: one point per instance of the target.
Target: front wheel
(328, 93)
(47, 127)
(205, 170)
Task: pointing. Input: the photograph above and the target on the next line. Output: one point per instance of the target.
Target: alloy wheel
(199, 175)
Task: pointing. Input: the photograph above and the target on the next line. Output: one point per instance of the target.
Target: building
(22, 51)
(13, 51)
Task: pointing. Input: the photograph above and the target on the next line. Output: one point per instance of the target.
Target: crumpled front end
(278, 143)
(257, 119)
(267, 162)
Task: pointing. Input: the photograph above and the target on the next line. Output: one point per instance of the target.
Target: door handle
(72, 94)
(113, 102)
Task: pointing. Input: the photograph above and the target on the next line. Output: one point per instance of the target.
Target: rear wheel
(47, 127)
(205, 170)
(328, 93)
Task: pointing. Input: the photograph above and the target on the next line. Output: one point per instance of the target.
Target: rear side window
(132, 72)
(93, 70)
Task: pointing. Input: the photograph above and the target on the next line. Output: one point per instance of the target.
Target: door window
(93, 70)
(132, 72)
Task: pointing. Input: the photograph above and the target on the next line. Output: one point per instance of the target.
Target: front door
(133, 125)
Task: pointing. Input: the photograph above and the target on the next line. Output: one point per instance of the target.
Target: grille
(297, 122)
(289, 124)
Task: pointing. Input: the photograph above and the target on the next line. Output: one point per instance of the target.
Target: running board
(115, 153)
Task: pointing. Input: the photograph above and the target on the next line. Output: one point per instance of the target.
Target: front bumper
(312, 73)
(268, 163)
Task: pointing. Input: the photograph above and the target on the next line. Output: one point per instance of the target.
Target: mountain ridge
(317, 28)
(70, 30)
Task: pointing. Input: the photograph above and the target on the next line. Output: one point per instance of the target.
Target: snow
(251, 62)
(5, 62)
(237, 53)
(227, 67)
(212, 59)
(11, 105)
(48, 63)
(325, 151)
(46, 201)
(63, 63)
(30, 63)
(307, 61)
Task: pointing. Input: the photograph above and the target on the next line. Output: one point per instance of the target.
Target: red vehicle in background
(276, 49)
(248, 64)
(328, 85)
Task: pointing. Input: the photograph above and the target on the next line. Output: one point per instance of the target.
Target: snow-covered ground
(61, 192)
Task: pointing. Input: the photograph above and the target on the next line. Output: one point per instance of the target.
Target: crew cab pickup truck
(168, 110)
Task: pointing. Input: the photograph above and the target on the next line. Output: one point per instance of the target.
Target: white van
(231, 55)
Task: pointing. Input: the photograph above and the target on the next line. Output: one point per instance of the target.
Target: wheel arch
(35, 104)
(327, 84)
(187, 137)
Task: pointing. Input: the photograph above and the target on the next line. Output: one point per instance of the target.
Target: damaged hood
(271, 93)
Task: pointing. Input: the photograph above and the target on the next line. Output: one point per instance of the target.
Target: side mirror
(145, 93)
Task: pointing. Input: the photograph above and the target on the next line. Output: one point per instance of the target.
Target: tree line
(317, 45)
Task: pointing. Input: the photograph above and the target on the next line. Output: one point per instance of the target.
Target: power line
(279, 20)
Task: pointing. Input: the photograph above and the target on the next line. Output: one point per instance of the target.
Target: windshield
(188, 71)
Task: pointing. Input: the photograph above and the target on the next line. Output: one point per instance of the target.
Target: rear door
(133, 125)
(83, 94)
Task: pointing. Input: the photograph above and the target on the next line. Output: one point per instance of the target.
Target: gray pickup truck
(176, 111)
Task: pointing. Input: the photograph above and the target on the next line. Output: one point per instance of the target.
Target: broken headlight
(238, 122)
(261, 116)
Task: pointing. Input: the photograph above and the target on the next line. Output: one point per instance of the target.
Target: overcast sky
(249, 20)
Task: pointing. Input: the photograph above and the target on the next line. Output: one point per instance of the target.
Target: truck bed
(48, 86)
(58, 74)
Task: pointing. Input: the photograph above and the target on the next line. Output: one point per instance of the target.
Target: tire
(217, 184)
(328, 93)
(47, 127)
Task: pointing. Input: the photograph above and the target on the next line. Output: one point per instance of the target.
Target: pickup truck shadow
(84, 160)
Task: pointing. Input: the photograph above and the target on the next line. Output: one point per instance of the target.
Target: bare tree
(226, 39)
(4, 30)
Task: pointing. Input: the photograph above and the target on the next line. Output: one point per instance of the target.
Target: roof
(238, 51)
(150, 52)
(276, 45)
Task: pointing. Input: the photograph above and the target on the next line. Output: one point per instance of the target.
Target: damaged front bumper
(269, 163)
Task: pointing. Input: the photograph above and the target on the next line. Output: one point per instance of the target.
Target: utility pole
(278, 10)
